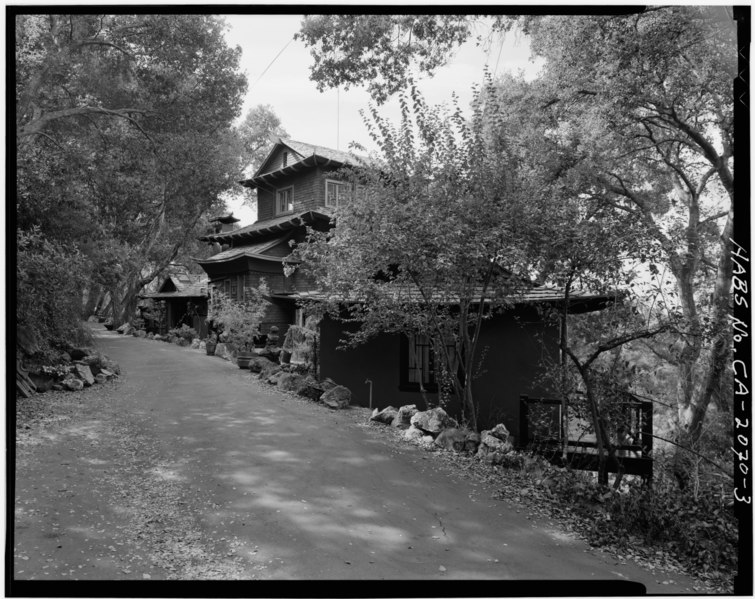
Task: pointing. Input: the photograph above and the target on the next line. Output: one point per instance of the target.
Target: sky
(277, 68)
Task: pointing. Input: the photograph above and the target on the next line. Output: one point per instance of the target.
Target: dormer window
(284, 200)
(336, 193)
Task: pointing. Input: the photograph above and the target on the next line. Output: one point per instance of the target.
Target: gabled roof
(308, 155)
(184, 285)
(254, 250)
(266, 228)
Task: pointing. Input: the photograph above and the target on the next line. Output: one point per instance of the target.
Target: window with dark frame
(284, 200)
(336, 193)
(417, 364)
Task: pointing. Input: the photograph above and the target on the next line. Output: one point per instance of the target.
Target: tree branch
(617, 341)
(108, 44)
(35, 126)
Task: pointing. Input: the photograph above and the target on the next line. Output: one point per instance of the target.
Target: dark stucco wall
(514, 344)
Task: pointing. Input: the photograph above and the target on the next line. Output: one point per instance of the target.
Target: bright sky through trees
(332, 118)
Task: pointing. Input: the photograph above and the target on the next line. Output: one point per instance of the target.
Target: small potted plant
(240, 321)
(210, 344)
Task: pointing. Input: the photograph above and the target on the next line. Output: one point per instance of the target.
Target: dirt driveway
(188, 469)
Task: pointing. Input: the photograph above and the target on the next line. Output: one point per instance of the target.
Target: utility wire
(271, 64)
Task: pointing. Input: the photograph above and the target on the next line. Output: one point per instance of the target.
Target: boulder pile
(79, 368)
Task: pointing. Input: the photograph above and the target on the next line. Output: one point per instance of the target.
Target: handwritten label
(742, 399)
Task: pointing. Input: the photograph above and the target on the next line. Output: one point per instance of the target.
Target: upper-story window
(284, 200)
(285, 159)
(336, 193)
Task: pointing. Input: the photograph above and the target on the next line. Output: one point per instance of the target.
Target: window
(284, 201)
(418, 363)
(336, 193)
(285, 159)
(421, 363)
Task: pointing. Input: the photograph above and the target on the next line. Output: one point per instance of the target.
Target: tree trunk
(692, 415)
(94, 294)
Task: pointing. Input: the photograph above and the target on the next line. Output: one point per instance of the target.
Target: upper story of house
(297, 177)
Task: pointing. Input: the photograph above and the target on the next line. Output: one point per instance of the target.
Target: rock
(58, 387)
(336, 398)
(93, 318)
(427, 441)
(311, 389)
(472, 442)
(275, 377)
(257, 364)
(290, 382)
(413, 434)
(94, 363)
(65, 357)
(195, 343)
(100, 378)
(140, 333)
(107, 374)
(73, 384)
(453, 439)
(158, 337)
(404, 416)
(267, 369)
(328, 384)
(386, 416)
(150, 335)
(42, 381)
(84, 373)
(500, 431)
(79, 353)
(125, 329)
(431, 421)
(112, 365)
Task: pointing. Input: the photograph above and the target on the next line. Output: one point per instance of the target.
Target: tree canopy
(125, 139)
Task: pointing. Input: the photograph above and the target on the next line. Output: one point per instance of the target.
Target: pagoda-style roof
(181, 285)
(264, 229)
(304, 156)
(252, 250)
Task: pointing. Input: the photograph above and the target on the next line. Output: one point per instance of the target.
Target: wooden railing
(634, 452)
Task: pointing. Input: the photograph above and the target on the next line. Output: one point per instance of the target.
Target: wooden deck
(546, 436)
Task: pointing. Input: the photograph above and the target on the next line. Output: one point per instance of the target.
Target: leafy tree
(379, 50)
(124, 137)
(650, 97)
(48, 279)
(259, 126)
(432, 247)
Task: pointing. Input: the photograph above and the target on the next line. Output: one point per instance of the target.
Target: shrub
(239, 321)
(49, 279)
(184, 332)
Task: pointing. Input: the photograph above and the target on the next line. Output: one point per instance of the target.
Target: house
(297, 189)
(185, 302)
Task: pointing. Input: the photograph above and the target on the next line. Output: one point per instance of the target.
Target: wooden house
(296, 189)
(185, 302)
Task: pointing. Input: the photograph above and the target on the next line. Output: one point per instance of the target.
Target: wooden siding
(515, 343)
(309, 192)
